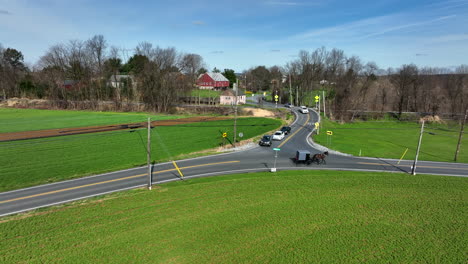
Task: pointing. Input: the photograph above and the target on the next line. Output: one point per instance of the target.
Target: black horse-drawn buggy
(304, 156)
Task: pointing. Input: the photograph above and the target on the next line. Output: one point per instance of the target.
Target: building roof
(216, 76)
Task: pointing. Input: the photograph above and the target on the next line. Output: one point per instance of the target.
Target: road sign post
(329, 138)
(276, 157)
(317, 127)
(224, 138)
(317, 101)
(276, 100)
(323, 98)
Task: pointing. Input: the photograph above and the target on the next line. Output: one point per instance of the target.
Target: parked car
(286, 130)
(265, 141)
(303, 109)
(288, 105)
(279, 135)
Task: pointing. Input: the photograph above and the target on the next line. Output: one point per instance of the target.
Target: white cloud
(408, 25)
(370, 27)
(449, 38)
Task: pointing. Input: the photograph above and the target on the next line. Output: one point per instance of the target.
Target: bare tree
(462, 69)
(191, 63)
(403, 81)
(2, 73)
(362, 89)
(259, 78)
(276, 81)
(335, 64)
(345, 85)
(97, 46)
(145, 48)
(166, 59)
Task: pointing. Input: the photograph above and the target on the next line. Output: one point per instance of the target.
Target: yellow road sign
(317, 97)
(330, 133)
(224, 134)
(317, 124)
(276, 96)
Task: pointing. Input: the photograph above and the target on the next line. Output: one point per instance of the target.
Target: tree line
(157, 77)
(83, 70)
(352, 86)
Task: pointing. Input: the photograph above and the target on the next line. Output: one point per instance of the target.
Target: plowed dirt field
(94, 129)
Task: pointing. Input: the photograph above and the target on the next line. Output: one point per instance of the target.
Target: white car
(303, 109)
(279, 135)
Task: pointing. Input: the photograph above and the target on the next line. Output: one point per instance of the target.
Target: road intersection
(255, 159)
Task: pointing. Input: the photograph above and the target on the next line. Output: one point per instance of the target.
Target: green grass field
(32, 162)
(15, 120)
(390, 139)
(284, 217)
(205, 93)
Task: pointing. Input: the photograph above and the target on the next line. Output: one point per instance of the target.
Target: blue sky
(245, 33)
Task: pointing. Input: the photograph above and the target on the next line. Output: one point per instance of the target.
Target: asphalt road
(255, 159)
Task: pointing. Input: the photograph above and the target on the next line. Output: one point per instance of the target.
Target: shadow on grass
(143, 143)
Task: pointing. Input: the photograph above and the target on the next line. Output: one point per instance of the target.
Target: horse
(320, 158)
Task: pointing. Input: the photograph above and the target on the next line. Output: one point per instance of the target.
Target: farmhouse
(228, 97)
(119, 80)
(212, 81)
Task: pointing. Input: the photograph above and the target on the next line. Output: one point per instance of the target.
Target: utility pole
(235, 112)
(148, 151)
(290, 92)
(413, 169)
(460, 136)
(323, 98)
(319, 106)
(297, 96)
(276, 98)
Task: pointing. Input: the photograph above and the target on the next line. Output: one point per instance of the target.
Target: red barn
(212, 80)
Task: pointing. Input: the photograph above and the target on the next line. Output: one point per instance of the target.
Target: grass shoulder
(390, 138)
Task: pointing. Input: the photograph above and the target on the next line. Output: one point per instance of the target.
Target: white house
(228, 97)
(119, 80)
